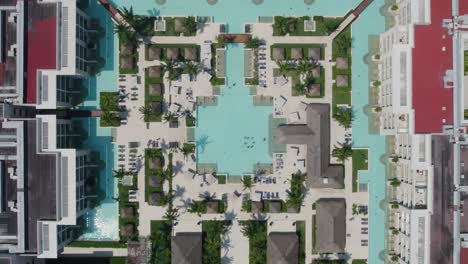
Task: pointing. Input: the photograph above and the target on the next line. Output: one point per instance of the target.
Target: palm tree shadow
(179, 191)
(226, 244)
(226, 260)
(178, 167)
(202, 142)
(231, 215)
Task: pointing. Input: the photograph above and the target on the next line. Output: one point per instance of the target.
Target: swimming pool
(102, 221)
(234, 134)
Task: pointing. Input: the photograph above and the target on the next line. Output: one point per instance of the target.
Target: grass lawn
(359, 261)
(324, 26)
(212, 232)
(300, 231)
(118, 260)
(359, 157)
(465, 61)
(109, 101)
(161, 232)
(170, 29)
(258, 237)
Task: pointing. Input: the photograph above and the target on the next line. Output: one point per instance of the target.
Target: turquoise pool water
(102, 222)
(237, 12)
(369, 23)
(234, 134)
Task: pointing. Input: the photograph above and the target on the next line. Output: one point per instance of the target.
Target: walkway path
(235, 246)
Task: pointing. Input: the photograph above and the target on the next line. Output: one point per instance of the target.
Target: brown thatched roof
(342, 63)
(155, 89)
(314, 89)
(127, 212)
(155, 198)
(186, 248)
(212, 207)
(342, 80)
(127, 230)
(275, 207)
(316, 72)
(154, 71)
(126, 63)
(156, 163)
(190, 54)
(257, 207)
(314, 53)
(278, 54)
(126, 49)
(154, 53)
(156, 106)
(155, 181)
(331, 225)
(297, 53)
(283, 248)
(172, 53)
(179, 25)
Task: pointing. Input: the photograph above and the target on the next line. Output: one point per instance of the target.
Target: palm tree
(171, 215)
(283, 68)
(252, 42)
(128, 15)
(170, 117)
(170, 67)
(344, 116)
(198, 207)
(300, 88)
(247, 181)
(190, 25)
(304, 66)
(191, 69)
(296, 193)
(284, 25)
(188, 149)
(153, 154)
(145, 112)
(342, 153)
(120, 173)
(221, 40)
(207, 196)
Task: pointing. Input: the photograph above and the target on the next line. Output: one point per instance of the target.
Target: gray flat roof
(40, 182)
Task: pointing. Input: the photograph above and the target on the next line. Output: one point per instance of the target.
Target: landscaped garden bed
(128, 212)
(155, 177)
(257, 233)
(294, 26)
(212, 240)
(342, 70)
(108, 103)
(161, 233)
(359, 157)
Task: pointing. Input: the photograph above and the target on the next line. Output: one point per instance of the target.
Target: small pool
(234, 134)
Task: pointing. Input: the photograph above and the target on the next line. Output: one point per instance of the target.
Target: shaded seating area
(278, 54)
(155, 181)
(283, 248)
(127, 212)
(316, 135)
(342, 81)
(314, 53)
(313, 90)
(275, 207)
(331, 225)
(297, 53)
(342, 63)
(212, 207)
(257, 207)
(126, 49)
(154, 53)
(155, 72)
(155, 89)
(127, 230)
(186, 248)
(156, 163)
(179, 24)
(190, 54)
(156, 107)
(156, 198)
(316, 72)
(126, 63)
(172, 53)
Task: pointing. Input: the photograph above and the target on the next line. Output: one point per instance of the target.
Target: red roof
(41, 52)
(464, 255)
(2, 73)
(430, 64)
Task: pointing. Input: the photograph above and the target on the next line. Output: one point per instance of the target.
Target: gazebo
(278, 54)
(313, 90)
(179, 25)
(127, 230)
(257, 207)
(154, 71)
(212, 207)
(127, 212)
(154, 181)
(172, 53)
(156, 163)
(342, 63)
(314, 53)
(283, 248)
(190, 54)
(126, 63)
(275, 207)
(342, 80)
(156, 106)
(126, 49)
(297, 53)
(316, 72)
(154, 53)
(155, 198)
(155, 89)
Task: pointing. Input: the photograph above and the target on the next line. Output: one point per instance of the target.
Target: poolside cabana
(179, 24)
(186, 248)
(278, 54)
(342, 80)
(127, 212)
(155, 89)
(156, 107)
(314, 53)
(155, 181)
(316, 72)
(126, 49)
(313, 89)
(127, 230)
(257, 207)
(154, 53)
(212, 207)
(156, 163)
(297, 53)
(283, 248)
(275, 207)
(342, 63)
(154, 71)
(155, 198)
(190, 54)
(172, 53)
(126, 63)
